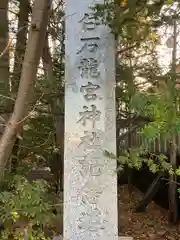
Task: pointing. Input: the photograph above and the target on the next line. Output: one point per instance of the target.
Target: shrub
(25, 209)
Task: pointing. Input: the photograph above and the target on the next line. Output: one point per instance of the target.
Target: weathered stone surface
(90, 191)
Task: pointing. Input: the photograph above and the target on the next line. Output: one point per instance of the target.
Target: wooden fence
(159, 145)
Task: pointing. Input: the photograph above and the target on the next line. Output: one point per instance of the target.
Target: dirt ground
(151, 225)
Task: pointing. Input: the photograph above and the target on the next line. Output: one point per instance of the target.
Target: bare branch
(10, 42)
(127, 48)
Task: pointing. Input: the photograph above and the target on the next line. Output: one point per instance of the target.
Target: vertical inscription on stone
(90, 191)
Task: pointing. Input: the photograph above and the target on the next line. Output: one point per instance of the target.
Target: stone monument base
(119, 238)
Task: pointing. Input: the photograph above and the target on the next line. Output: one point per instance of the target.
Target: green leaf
(169, 1)
(178, 171)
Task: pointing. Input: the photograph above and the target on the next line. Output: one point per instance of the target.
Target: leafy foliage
(143, 91)
(25, 209)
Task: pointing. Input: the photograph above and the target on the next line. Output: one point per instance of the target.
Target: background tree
(147, 95)
(29, 70)
(4, 65)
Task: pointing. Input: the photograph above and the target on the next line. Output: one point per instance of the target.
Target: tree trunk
(58, 159)
(130, 86)
(49, 73)
(33, 53)
(173, 211)
(130, 170)
(24, 8)
(4, 64)
(5, 102)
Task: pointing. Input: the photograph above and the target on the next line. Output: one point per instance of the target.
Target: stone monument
(90, 183)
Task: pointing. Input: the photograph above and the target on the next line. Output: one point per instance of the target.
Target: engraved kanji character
(89, 90)
(95, 170)
(90, 44)
(91, 140)
(91, 221)
(90, 196)
(93, 115)
(89, 21)
(89, 68)
(87, 167)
